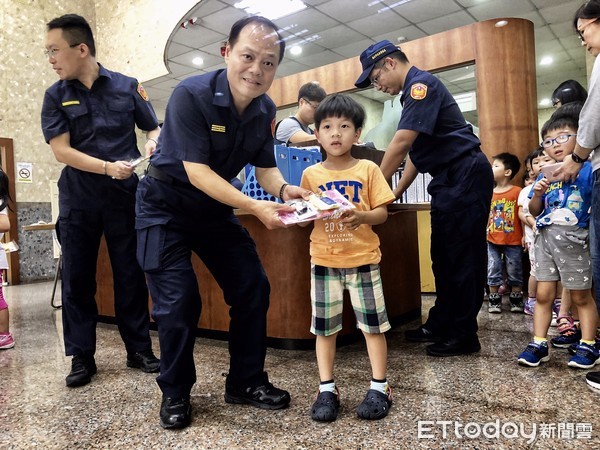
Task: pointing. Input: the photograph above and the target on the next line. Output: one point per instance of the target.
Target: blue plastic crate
(282, 156)
(291, 162)
(252, 189)
(300, 159)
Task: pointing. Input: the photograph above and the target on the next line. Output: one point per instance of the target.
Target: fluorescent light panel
(271, 9)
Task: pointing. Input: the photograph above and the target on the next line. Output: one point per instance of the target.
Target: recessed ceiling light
(270, 9)
(545, 102)
(296, 50)
(501, 23)
(197, 61)
(546, 61)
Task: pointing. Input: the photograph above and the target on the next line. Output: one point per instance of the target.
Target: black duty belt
(164, 177)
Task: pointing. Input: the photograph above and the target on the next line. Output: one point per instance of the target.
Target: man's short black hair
(237, 27)
(567, 116)
(399, 55)
(510, 162)
(312, 91)
(340, 105)
(75, 30)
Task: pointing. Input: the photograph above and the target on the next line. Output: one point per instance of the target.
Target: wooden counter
(285, 255)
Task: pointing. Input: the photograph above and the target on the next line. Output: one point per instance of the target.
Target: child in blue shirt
(562, 248)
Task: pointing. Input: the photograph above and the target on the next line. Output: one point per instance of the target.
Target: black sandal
(376, 405)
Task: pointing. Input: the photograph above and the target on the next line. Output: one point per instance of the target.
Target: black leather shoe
(175, 412)
(454, 347)
(82, 369)
(421, 334)
(145, 361)
(265, 396)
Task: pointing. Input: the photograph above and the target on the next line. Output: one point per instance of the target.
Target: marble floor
(476, 402)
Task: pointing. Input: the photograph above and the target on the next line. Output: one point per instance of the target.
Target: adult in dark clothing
(434, 134)
(215, 124)
(89, 119)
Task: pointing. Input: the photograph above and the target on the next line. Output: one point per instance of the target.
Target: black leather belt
(164, 177)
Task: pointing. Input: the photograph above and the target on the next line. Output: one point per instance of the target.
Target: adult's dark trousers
(460, 206)
(80, 232)
(229, 253)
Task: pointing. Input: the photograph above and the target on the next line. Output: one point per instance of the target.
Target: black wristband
(578, 159)
(283, 186)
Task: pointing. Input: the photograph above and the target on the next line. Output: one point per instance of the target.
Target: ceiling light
(545, 102)
(392, 6)
(270, 9)
(197, 61)
(296, 50)
(546, 61)
(501, 23)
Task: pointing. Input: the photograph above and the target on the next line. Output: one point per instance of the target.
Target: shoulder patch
(142, 92)
(217, 128)
(418, 91)
(70, 103)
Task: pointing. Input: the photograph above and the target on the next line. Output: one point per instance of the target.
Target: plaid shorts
(327, 287)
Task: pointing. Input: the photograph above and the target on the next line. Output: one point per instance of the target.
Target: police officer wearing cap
(434, 134)
(215, 124)
(89, 118)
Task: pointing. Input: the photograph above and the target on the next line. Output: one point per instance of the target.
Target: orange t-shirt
(504, 226)
(331, 243)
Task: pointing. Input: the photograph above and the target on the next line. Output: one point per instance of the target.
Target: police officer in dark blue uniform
(215, 124)
(438, 140)
(89, 119)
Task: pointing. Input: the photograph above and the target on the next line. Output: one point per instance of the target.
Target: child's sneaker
(495, 303)
(573, 347)
(516, 301)
(6, 341)
(534, 354)
(529, 305)
(376, 405)
(326, 407)
(587, 356)
(569, 333)
(593, 380)
(556, 306)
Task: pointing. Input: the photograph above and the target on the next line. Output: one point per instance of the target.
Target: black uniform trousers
(460, 206)
(229, 253)
(79, 233)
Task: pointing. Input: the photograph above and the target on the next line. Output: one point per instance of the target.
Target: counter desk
(285, 255)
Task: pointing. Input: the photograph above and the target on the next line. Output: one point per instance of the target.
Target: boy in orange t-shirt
(345, 255)
(504, 235)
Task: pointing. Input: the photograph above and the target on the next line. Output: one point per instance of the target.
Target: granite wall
(130, 37)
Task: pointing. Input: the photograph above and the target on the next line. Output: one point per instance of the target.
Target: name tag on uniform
(217, 128)
(70, 103)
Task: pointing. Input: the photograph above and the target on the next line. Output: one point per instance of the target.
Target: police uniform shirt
(202, 126)
(101, 120)
(101, 123)
(430, 109)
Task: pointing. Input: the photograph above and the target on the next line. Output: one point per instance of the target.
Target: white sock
(381, 386)
(327, 386)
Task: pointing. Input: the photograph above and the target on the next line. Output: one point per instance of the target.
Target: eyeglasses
(583, 27)
(560, 139)
(310, 103)
(375, 80)
(53, 51)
